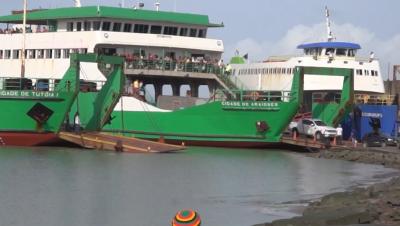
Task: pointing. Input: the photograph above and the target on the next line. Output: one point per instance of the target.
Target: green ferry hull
(209, 124)
(30, 119)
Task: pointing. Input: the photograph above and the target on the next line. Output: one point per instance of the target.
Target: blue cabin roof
(336, 45)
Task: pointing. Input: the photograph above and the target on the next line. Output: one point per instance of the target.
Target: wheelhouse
(330, 49)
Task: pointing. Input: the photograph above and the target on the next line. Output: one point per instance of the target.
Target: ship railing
(280, 58)
(40, 84)
(174, 65)
(374, 99)
(329, 97)
(26, 84)
(251, 95)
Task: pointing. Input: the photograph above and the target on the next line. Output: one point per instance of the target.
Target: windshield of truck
(320, 123)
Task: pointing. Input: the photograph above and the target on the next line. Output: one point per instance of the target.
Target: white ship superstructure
(276, 73)
(150, 40)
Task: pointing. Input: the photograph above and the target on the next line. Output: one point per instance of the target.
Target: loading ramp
(110, 142)
(305, 142)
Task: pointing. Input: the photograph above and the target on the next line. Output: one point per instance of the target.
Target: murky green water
(64, 187)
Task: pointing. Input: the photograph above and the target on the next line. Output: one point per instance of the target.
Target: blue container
(358, 122)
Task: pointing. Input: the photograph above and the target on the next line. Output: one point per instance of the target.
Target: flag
(246, 56)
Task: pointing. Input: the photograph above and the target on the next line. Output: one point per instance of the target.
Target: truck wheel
(318, 135)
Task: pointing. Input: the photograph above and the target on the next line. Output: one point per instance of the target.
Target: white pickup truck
(312, 127)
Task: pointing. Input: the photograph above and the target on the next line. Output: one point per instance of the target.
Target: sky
(263, 28)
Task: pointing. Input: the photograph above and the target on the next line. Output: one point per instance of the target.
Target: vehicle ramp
(304, 142)
(110, 142)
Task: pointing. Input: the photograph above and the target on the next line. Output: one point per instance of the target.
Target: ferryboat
(276, 72)
(162, 50)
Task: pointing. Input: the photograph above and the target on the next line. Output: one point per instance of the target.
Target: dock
(110, 142)
(304, 142)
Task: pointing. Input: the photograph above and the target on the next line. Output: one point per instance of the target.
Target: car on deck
(313, 127)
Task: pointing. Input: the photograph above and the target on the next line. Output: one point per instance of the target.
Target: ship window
(117, 27)
(87, 25)
(31, 54)
(106, 26)
(40, 53)
(49, 53)
(193, 32)
(84, 51)
(75, 50)
(127, 27)
(351, 53)
(313, 52)
(202, 33)
(70, 26)
(366, 72)
(78, 26)
(15, 54)
(358, 72)
(1, 54)
(372, 72)
(96, 25)
(66, 53)
(283, 70)
(184, 31)
(7, 54)
(329, 51)
(376, 73)
(155, 29)
(341, 52)
(141, 28)
(170, 30)
(57, 53)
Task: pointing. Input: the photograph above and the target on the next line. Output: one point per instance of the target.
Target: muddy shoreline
(378, 204)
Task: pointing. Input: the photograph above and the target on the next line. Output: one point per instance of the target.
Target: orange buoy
(186, 218)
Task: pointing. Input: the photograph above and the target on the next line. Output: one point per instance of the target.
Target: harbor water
(64, 187)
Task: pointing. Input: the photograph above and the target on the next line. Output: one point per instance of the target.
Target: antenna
(78, 3)
(157, 5)
(328, 25)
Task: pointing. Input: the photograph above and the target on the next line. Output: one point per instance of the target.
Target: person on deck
(339, 134)
(77, 123)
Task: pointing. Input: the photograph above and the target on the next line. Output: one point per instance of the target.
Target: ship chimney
(141, 5)
(157, 6)
(78, 3)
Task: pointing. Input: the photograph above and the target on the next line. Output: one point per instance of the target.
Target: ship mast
(328, 25)
(23, 41)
